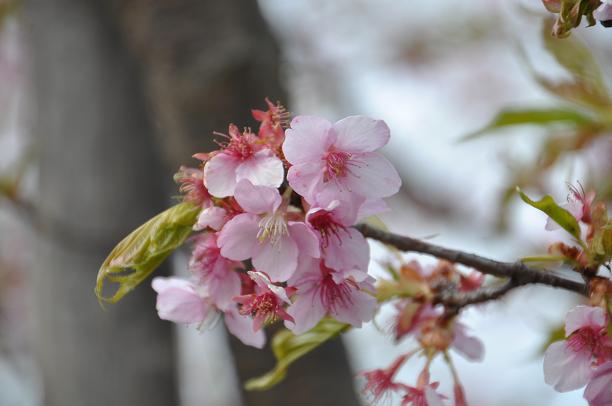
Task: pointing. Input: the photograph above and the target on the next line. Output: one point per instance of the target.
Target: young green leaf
(540, 117)
(288, 348)
(561, 216)
(141, 252)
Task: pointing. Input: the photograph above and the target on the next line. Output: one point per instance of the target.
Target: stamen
(272, 227)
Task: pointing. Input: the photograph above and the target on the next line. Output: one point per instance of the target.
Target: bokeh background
(101, 101)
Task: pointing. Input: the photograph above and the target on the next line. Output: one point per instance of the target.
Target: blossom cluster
(275, 237)
(434, 325)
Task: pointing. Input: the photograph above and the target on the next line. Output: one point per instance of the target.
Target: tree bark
(98, 180)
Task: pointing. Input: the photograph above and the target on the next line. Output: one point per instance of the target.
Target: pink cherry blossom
(380, 383)
(211, 217)
(469, 346)
(423, 396)
(214, 271)
(244, 157)
(181, 301)
(241, 327)
(191, 181)
(321, 291)
(343, 247)
(263, 233)
(598, 391)
(604, 12)
(339, 157)
(569, 364)
(266, 304)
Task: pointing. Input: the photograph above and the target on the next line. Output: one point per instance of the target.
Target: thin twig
(519, 273)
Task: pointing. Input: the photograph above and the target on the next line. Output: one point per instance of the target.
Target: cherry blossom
(267, 303)
(604, 13)
(569, 364)
(424, 396)
(321, 291)
(598, 391)
(380, 383)
(181, 301)
(339, 157)
(244, 157)
(214, 271)
(263, 233)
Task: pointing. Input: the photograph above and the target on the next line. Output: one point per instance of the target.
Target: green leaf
(588, 86)
(288, 348)
(541, 117)
(141, 252)
(561, 216)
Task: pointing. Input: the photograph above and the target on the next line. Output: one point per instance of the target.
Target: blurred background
(101, 101)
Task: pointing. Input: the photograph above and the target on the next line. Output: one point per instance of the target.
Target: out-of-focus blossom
(244, 157)
(380, 383)
(424, 396)
(569, 364)
(272, 123)
(604, 13)
(211, 217)
(598, 391)
(191, 181)
(339, 158)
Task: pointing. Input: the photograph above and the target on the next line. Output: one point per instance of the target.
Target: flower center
(272, 227)
(326, 225)
(332, 294)
(587, 339)
(336, 165)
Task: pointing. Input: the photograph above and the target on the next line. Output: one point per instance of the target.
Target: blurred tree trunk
(202, 64)
(98, 180)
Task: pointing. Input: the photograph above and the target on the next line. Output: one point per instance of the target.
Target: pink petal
(278, 260)
(256, 199)
(306, 239)
(350, 252)
(566, 369)
(603, 12)
(178, 301)
(262, 169)
(372, 207)
(307, 311)
(223, 287)
(220, 175)
(238, 238)
(242, 328)
(373, 176)
(360, 134)
(307, 140)
(584, 316)
(599, 390)
(361, 308)
(468, 346)
(433, 398)
(213, 217)
(306, 178)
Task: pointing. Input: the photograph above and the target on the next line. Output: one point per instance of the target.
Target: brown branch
(459, 300)
(519, 273)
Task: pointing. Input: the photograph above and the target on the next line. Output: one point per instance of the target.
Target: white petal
(256, 199)
(278, 260)
(373, 176)
(566, 369)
